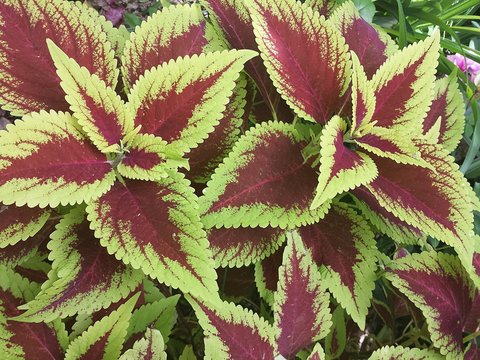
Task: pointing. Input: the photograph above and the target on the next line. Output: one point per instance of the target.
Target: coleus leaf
(84, 277)
(345, 245)
(233, 18)
(324, 7)
(384, 221)
(266, 275)
(233, 332)
(173, 32)
(280, 195)
(181, 101)
(115, 35)
(104, 339)
(404, 85)
(317, 353)
(204, 158)
(19, 253)
(235, 247)
(301, 308)
(18, 340)
(97, 107)
(393, 143)
(341, 169)
(436, 202)
(83, 321)
(28, 81)
(34, 170)
(446, 114)
(311, 83)
(148, 348)
(148, 158)
(160, 314)
(372, 45)
(439, 286)
(337, 337)
(154, 226)
(400, 352)
(363, 97)
(396, 142)
(20, 223)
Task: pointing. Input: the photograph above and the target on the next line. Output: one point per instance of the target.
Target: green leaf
(397, 352)
(161, 314)
(150, 347)
(104, 339)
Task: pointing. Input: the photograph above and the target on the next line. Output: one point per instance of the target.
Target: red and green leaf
(446, 115)
(385, 222)
(369, 43)
(105, 338)
(301, 308)
(337, 337)
(20, 252)
(28, 81)
(345, 245)
(404, 84)
(20, 223)
(324, 7)
(280, 195)
(236, 247)
(439, 286)
(233, 332)
(395, 143)
(182, 101)
(341, 169)
(97, 107)
(436, 201)
(233, 17)
(310, 82)
(403, 353)
(317, 353)
(37, 170)
(84, 277)
(19, 340)
(175, 31)
(266, 275)
(149, 347)
(209, 154)
(149, 158)
(155, 227)
(363, 98)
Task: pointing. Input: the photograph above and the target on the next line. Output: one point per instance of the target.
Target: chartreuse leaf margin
(240, 195)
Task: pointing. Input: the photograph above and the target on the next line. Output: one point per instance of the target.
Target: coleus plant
(94, 176)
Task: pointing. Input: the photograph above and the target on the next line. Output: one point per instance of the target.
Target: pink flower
(467, 66)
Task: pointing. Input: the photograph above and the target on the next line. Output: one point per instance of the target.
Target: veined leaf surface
(301, 308)
(46, 160)
(84, 277)
(173, 32)
(344, 243)
(264, 181)
(155, 227)
(183, 100)
(311, 82)
(28, 81)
